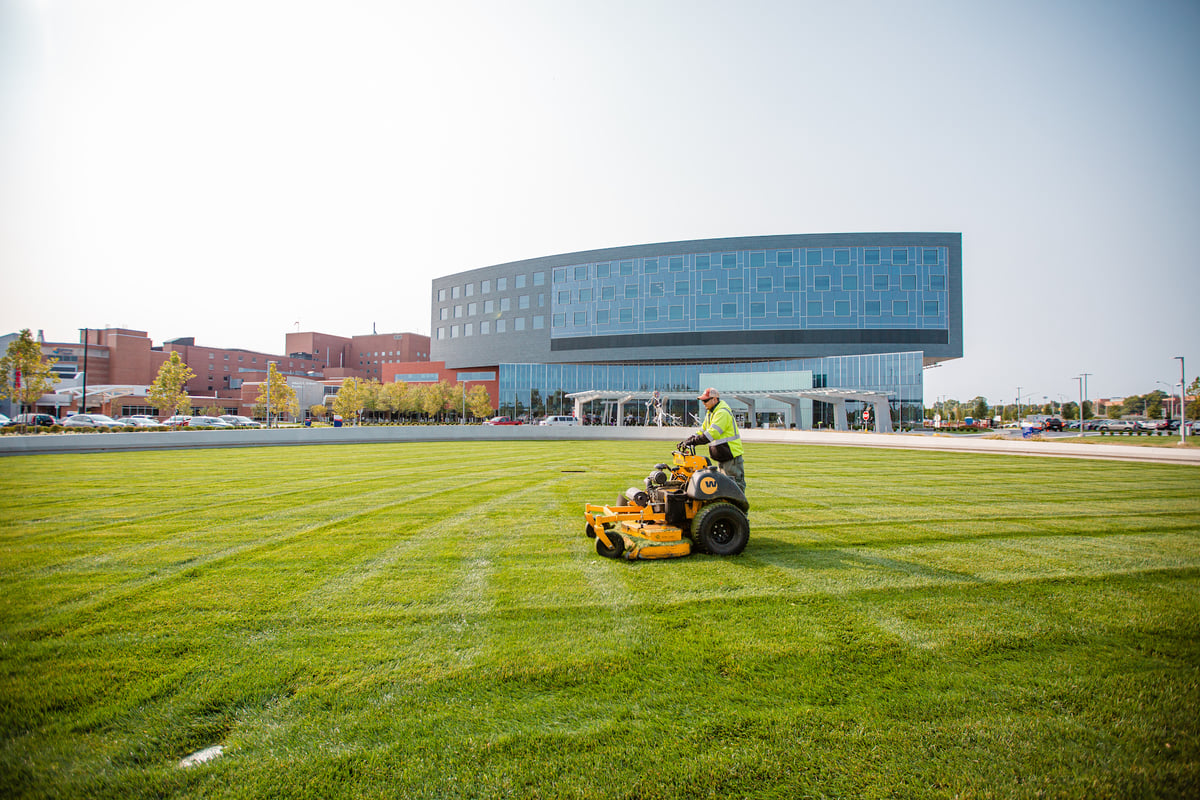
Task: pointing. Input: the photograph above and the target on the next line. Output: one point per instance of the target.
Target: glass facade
(800, 289)
(541, 389)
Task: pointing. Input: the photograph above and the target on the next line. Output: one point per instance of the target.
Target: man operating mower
(720, 432)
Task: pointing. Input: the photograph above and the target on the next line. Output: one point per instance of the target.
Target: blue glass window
(675, 312)
(581, 272)
(626, 315)
(585, 295)
(702, 310)
(501, 325)
(520, 281)
(675, 263)
(729, 310)
(580, 319)
(841, 308)
(631, 291)
(813, 258)
(539, 322)
(763, 284)
(650, 313)
(602, 270)
(821, 283)
(871, 255)
(784, 258)
(702, 262)
(784, 309)
(626, 267)
(930, 308)
(841, 257)
(501, 285)
(814, 308)
(849, 283)
(564, 297)
(539, 279)
(758, 310)
(791, 283)
(708, 286)
(560, 320)
(729, 260)
(505, 303)
(930, 256)
(650, 266)
(908, 283)
(522, 301)
(899, 256)
(937, 283)
(682, 288)
(485, 328)
(872, 308)
(899, 308)
(758, 259)
(880, 283)
(601, 316)
(736, 286)
(485, 287)
(656, 290)
(608, 292)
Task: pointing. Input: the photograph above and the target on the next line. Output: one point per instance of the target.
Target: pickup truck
(503, 421)
(1052, 424)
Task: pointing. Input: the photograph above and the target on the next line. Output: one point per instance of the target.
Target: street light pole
(1084, 400)
(1080, 379)
(269, 363)
(1182, 401)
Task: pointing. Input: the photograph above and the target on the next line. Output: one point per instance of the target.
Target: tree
(979, 408)
(479, 404)
(1193, 390)
(213, 411)
(23, 374)
(348, 403)
(275, 397)
(168, 392)
(317, 411)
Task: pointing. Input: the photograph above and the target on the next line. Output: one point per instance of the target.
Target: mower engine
(687, 506)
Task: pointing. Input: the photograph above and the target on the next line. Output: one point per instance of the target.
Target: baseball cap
(709, 394)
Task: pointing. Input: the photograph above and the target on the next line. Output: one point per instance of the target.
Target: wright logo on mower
(687, 507)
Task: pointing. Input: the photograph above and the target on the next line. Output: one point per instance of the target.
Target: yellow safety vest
(719, 428)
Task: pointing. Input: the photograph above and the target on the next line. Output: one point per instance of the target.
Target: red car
(503, 421)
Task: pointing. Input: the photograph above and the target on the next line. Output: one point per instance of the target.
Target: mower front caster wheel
(618, 548)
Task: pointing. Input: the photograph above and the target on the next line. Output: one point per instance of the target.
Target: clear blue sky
(233, 170)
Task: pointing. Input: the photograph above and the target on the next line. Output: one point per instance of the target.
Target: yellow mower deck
(641, 532)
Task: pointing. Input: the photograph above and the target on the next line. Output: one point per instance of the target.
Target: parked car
(207, 422)
(238, 421)
(559, 420)
(177, 420)
(42, 420)
(1195, 428)
(140, 422)
(1119, 425)
(4, 420)
(91, 421)
(503, 421)
(1052, 424)
(1149, 425)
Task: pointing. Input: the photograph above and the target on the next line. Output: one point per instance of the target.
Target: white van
(559, 421)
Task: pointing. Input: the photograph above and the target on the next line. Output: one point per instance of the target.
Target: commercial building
(805, 329)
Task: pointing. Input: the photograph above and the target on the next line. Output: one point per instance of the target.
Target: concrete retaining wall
(40, 444)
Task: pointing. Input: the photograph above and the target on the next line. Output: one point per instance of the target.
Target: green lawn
(428, 620)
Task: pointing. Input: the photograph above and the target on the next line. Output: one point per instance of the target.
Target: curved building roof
(740, 299)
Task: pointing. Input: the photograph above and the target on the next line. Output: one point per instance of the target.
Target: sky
(234, 171)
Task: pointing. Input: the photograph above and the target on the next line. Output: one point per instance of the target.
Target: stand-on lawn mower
(687, 507)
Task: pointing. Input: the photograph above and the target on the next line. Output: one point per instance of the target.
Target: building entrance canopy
(881, 416)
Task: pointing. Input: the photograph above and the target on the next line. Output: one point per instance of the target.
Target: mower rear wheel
(618, 548)
(721, 529)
